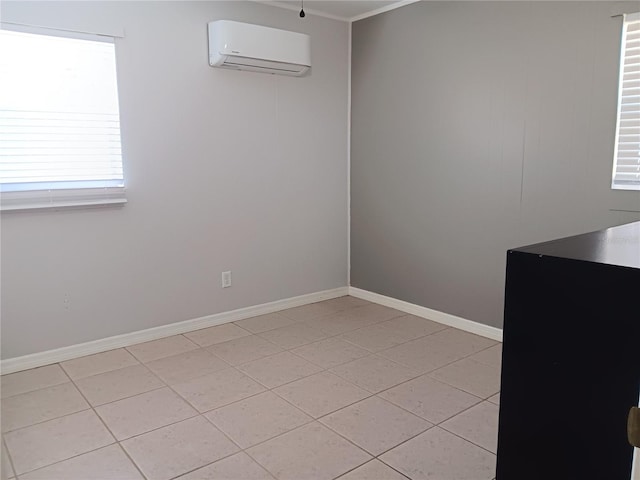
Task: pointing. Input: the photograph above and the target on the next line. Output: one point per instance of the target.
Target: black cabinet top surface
(612, 246)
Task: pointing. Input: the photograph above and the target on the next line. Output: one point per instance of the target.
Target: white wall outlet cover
(226, 279)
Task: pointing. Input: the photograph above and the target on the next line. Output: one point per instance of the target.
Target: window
(59, 120)
(626, 161)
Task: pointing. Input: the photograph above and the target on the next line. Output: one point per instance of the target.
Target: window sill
(62, 199)
(631, 187)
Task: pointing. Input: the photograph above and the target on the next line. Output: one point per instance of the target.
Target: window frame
(104, 193)
(628, 18)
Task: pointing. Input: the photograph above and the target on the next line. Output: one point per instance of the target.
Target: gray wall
(225, 170)
(478, 127)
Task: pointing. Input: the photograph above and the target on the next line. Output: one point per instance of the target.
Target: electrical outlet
(226, 279)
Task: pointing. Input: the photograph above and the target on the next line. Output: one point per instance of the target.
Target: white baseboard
(40, 359)
(445, 318)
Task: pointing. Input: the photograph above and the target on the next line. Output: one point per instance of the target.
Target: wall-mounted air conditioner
(243, 46)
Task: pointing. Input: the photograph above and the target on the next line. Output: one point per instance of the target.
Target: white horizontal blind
(626, 168)
(59, 116)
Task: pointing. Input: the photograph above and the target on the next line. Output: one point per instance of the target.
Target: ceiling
(347, 10)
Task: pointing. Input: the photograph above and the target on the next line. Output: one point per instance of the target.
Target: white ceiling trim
(355, 18)
(380, 10)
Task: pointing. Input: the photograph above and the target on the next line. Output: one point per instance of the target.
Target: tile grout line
(431, 425)
(295, 321)
(91, 408)
(247, 374)
(199, 414)
(332, 335)
(431, 428)
(126, 454)
(428, 372)
(460, 436)
(339, 310)
(117, 441)
(160, 358)
(467, 440)
(95, 412)
(435, 426)
(377, 353)
(48, 420)
(339, 337)
(248, 333)
(389, 360)
(372, 460)
(226, 367)
(439, 424)
(72, 379)
(68, 379)
(324, 369)
(293, 429)
(270, 438)
(392, 346)
(434, 379)
(123, 398)
(208, 464)
(333, 411)
(6, 448)
(313, 419)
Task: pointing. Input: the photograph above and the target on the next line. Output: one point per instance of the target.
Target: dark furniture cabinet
(571, 357)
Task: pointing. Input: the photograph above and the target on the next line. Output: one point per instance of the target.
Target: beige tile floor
(338, 389)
